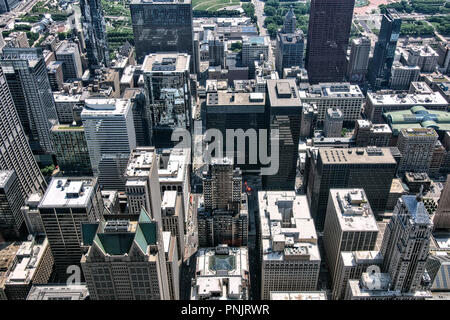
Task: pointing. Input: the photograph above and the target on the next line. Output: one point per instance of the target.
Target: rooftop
(102, 107)
(417, 117)
(410, 99)
(140, 162)
(176, 168)
(166, 62)
(283, 93)
(236, 102)
(369, 155)
(298, 295)
(353, 258)
(58, 292)
(5, 176)
(68, 192)
(332, 90)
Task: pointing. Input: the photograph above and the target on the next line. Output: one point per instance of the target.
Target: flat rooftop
(105, 107)
(5, 176)
(68, 192)
(333, 91)
(140, 162)
(283, 93)
(166, 62)
(353, 258)
(353, 210)
(298, 295)
(240, 100)
(368, 155)
(410, 99)
(58, 292)
(176, 168)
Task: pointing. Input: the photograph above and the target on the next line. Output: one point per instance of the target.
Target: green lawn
(213, 5)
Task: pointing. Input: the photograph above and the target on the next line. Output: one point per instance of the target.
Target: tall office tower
(67, 203)
(290, 22)
(162, 26)
(328, 33)
(69, 54)
(371, 169)
(125, 260)
(26, 74)
(289, 254)
(253, 48)
(289, 50)
(345, 96)
(167, 88)
(406, 244)
(359, 60)
(217, 48)
(351, 265)
(368, 134)
(402, 76)
(55, 75)
(172, 217)
(31, 214)
(416, 146)
(334, 119)
(212, 283)
(11, 218)
(223, 219)
(110, 136)
(349, 225)
(384, 52)
(309, 120)
(15, 152)
(71, 150)
(285, 114)
(441, 219)
(142, 184)
(94, 28)
(173, 270)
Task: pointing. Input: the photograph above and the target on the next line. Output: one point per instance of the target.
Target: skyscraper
(11, 218)
(94, 29)
(168, 93)
(290, 22)
(406, 244)
(69, 54)
(26, 74)
(442, 217)
(334, 120)
(359, 59)
(328, 33)
(67, 203)
(289, 50)
(125, 260)
(162, 26)
(15, 152)
(384, 52)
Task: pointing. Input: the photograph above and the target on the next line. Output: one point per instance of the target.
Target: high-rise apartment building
(110, 136)
(69, 54)
(349, 225)
(26, 74)
(285, 116)
(406, 244)
(334, 119)
(168, 93)
(384, 52)
(358, 63)
(289, 254)
(125, 260)
(328, 33)
(67, 203)
(94, 33)
(416, 146)
(11, 200)
(162, 26)
(371, 169)
(15, 152)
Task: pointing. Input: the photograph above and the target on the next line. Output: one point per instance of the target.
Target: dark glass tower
(384, 52)
(328, 33)
(94, 29)
(162, 26)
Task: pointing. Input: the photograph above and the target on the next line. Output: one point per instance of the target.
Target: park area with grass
(213, 5)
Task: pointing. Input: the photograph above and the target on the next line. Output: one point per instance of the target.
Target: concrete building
(349, 226)
(371, 169)
(125, 260)
(69, 105)
(58, 292)
(142, 184)
(345, 96)
(71, 150)
(172, 265)
(438, 268)
(168, 30)
(106, 121)
(334, 120)
(359, 59)
(222, 273)
(290, 48)
(33, 265)
(168, 93)
(378, 103)
(26, 74)
(253, 48)
(285, 116)
(442, 217)
(55, 75)
(172, 217)
(69, 54)
(31, 215)
(8, 252)
(289, 253)
(350, 266)
(402, 76)
(67, 203)
(11, 218)
(424, 57)
(309, 120)
(217, 46)
(369, 134)
(416, 146)
(15, 152)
